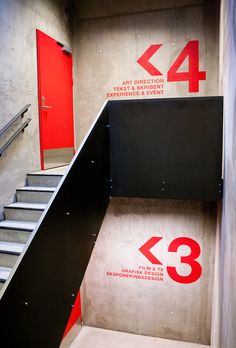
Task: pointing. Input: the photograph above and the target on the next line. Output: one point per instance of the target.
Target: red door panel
(55, 95)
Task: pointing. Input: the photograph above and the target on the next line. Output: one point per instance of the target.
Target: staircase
(22, 216)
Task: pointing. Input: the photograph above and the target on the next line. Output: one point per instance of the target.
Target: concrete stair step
(4, 273)
(11, 248)
(15, 236)
(44, 180)
(51, 171)
(24, 211)
(34, 194)
(38, 188)
(9, 253)
(8, 260)
(26, 205)
(18, 225)
(21, 217)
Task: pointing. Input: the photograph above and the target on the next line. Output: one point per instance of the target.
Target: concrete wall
(110, 38)
(158, 305)
(228, 237)
(18, 80)
(107, 41)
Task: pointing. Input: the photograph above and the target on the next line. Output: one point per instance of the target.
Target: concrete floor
(90, 337)
(57, 170)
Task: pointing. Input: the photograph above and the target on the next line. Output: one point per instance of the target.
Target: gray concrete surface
(15, 236)
(216, 316)
(57, 170)
(30, 194)
(57, 157)
(150, 307)
(18, 81)
(106, 50)
(90, 337)
(41, 179)
(228, 235)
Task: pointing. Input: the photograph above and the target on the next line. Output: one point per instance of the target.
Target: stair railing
(47, 276)
(11, 123)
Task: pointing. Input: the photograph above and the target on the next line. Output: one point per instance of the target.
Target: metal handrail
(12, 138)
(14, 119)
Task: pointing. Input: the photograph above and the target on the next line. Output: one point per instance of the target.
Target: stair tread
(37, 188)
(21, 225)
(52, 171)
(46, 174)
(14, 248)
(4, 273)
(37, 206)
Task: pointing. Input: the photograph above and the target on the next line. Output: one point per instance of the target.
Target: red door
(55, 86)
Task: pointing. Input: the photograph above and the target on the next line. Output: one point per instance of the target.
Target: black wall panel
(167, 148)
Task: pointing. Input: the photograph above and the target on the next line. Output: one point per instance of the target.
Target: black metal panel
(167, 148)
(37, 303)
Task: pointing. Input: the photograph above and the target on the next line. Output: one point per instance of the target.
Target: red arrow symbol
(145, 250)
(144, 60)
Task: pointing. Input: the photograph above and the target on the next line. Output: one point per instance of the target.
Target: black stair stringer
(36, 302)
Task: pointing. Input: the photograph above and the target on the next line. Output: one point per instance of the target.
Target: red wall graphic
(156, 273)
(154, 86)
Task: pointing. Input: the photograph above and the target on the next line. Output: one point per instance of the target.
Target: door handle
(45, 106)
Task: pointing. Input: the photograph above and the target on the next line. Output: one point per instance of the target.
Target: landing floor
(90, 337)
(56, 170)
